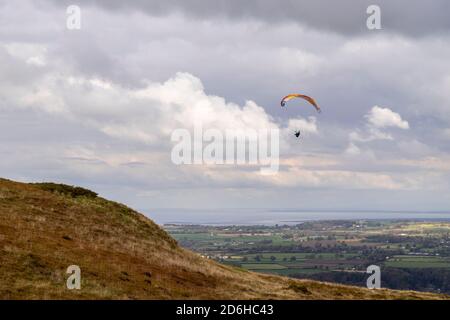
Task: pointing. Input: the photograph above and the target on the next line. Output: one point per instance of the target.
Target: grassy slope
(124, 255)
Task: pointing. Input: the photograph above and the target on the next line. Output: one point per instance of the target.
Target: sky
(97, 106)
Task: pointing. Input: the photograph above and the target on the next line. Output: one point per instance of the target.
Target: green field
(263, 266)
(301, 255)
(293, 271)
(279, 269)
(418, 262)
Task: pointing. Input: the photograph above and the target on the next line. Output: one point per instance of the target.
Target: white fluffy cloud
(385, 117)
(378, 119)
(147, 115)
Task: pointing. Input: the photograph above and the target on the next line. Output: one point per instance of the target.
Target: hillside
(44, 228)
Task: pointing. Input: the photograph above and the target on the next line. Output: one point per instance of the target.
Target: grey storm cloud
(411, 17)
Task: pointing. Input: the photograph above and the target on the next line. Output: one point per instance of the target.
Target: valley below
(412, 254)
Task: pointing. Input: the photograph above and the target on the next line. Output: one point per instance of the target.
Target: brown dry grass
(124, 255)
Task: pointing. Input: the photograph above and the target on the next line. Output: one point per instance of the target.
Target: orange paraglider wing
(301, 96)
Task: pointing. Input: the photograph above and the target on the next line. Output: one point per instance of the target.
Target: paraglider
(301, 96)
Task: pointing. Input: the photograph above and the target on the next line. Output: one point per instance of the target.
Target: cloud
(147, 115)
(86, 108)
(377, 120)
(411, 17)
(370, 134)
(294, 177)
(446, 133)
(352, 149)
(384, 117)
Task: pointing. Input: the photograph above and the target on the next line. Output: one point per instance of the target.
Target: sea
(239, 216)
